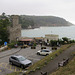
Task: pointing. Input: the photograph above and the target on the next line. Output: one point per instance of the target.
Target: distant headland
(30, 22)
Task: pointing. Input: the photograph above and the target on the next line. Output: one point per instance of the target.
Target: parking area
(6, 68)
(31, 53)
(10, 67)
(28, 53)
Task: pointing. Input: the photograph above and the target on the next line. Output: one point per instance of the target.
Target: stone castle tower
(14, 29)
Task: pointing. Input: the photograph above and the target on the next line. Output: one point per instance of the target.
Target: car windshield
(45, 50)
(21, 58)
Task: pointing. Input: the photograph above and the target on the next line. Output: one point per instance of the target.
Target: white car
(44, 52)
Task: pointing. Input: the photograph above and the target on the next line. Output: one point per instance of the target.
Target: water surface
(42, 31)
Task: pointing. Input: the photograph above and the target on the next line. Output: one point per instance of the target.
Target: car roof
(17, 56)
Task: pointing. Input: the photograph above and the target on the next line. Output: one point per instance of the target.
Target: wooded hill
(37, 21)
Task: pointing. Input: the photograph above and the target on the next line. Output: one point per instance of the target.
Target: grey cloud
(61, 8)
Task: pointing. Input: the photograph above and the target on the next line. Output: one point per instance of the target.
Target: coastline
(45, 26)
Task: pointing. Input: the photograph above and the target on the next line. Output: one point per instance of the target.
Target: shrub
(11, 45)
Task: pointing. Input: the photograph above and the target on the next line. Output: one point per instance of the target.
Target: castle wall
(14, 29)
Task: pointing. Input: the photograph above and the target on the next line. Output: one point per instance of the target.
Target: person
(41, 43)
(16, 45)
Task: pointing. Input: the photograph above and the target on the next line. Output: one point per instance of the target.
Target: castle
(14, 28)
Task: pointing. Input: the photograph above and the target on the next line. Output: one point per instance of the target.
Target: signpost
(5, 43)
(0, 41)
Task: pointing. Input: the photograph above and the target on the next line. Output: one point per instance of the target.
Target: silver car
(19, 61)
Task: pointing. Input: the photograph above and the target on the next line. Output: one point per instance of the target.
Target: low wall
(3, 48)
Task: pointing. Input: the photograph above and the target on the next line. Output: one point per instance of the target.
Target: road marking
(0, 70)
(1, 64)
(20, 70)
(5, 65)
(15, 69)
(10, 67)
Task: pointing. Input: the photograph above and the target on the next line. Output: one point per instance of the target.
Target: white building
(49, 37)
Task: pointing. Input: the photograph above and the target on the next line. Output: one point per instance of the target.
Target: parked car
(19, 61)
(54, 48)
(24, 46)
(43, 47)
(44, 52)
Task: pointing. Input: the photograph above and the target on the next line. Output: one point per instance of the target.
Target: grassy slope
(69, 69)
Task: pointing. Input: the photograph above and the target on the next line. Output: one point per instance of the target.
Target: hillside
(37, 21)
(67, 70)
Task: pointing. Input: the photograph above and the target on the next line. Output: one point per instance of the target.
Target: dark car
(19, 61)
(24, 46)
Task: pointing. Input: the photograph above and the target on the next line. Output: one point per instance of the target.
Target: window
(21, 59)
(14, 58)
(45, 51)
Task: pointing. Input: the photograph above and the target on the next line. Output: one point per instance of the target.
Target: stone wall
(15, 28)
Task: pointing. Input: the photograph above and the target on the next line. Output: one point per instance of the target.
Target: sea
(64, 31)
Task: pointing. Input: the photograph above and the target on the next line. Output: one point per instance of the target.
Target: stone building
(14, 28)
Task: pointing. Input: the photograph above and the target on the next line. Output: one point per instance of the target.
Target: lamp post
(17, 38)
(0, 41)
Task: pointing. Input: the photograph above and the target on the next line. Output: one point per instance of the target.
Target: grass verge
(14, 73)
(69, 69)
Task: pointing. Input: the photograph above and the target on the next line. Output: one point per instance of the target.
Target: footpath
(9, 52)
(53, 65)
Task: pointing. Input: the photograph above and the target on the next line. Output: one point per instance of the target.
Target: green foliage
(11, 45)
(72, 41)
(42, 21)
(66, 70)
(34, 44)
(26, 22)
(62, 41)
(14, 73)
(65, 39)
(4, 34)
(53, 43)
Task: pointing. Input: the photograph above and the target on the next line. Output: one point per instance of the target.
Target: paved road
(53, 65)
(29, 53)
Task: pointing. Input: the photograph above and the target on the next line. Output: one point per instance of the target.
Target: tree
(4, 34)
(65, 39)
(53, 43)
(3, 14)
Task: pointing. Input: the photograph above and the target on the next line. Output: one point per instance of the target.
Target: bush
(11, 45)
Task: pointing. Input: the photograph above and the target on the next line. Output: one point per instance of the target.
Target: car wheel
(47, 54)
(38, 53)
(22, 66)
(11, 63)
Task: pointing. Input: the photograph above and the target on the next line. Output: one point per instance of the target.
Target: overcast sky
(60, 8)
